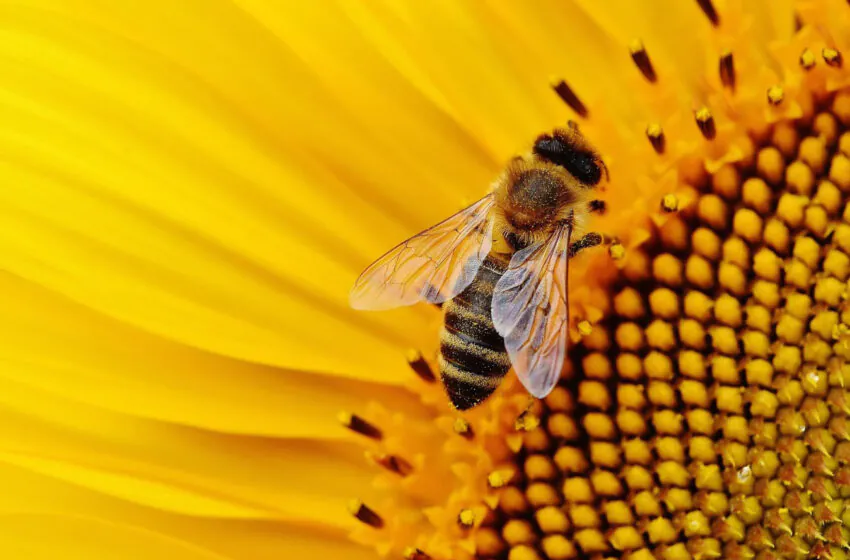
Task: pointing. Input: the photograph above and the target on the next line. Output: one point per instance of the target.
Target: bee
(505, 307)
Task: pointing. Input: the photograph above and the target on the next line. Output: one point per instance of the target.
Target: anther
(709, 11)
(420, 366)
(775, 95)
(670, 203)
(526, 421)
(359, 425)
(705, 122)
(641, 59)
(500, 478)
(585, 328)
(569, 97)
(365, 514)
(462, 428)
(807, 59)
(392, 463)
(727, 70)
(413, 553)
(832, 57)
(655, 134)
(617, 251)
(466, 518)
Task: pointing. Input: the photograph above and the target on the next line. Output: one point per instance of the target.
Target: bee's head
(567, 148)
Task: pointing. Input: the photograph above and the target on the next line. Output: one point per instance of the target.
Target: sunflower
(190, 190)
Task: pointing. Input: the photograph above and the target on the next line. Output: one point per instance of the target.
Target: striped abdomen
(473, 359)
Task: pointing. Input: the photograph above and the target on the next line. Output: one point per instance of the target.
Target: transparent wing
(433, 266)
(531, 312)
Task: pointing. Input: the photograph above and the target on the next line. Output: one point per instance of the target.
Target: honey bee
(501, 308)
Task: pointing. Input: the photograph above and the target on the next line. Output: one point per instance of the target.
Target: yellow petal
(68, 350)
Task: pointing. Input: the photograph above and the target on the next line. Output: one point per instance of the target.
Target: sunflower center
(707, 416)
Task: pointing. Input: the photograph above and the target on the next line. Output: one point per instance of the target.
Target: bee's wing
(531, 312)
(432, 266)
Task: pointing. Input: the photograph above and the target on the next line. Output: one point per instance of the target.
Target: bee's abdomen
(473, 359)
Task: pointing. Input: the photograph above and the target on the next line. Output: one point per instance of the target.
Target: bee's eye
(581, 165)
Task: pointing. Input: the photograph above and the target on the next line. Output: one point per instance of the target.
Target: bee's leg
(596, 206)
(591, 239)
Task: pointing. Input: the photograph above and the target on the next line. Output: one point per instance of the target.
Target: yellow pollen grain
(585, 328)
(629, 366)
(777, 236)
(628, 303)
(488, 542)
(758, 317)
(807, 59)
(770, 165)
(798, 274)
(800, 178)
(825, 126)
(748, 224)
(637, 266)
(661, 336)
(523, 552)
(662, 394)
(712, 211)
(692, 334)
(596, 365)
(829, 197)
(664, 303)
(724, 369)
(839, 172)
(837, 264)
(594, 395)
(629, 336)
(540, 494)
(674, 234)
(513, 502)
(813, 153)
(767, 265)
(756, 194)
(732, 277)
(699, 272)
(706, 243)
(667, 269)
(817, 221)
(558, 547)
(785, 138)
(759, 372)
(518, 531)
(841, 107)
(791, 209)
(726, 182)
(737, 252)
(605, 454)
(658, 366)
